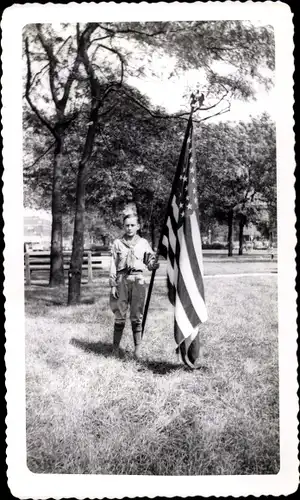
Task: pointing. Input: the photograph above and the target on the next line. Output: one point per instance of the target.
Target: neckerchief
(130, 259)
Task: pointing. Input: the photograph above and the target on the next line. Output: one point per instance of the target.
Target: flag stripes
(193, 283)
(194, 256)
(197, 243)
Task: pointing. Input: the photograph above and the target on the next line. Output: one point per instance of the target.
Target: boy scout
(130, 255)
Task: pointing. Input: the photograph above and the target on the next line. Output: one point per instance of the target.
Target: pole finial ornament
(196, 101)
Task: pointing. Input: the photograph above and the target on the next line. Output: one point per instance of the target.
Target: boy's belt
(130, 271)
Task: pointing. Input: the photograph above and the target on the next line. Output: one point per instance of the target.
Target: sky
(33, 211)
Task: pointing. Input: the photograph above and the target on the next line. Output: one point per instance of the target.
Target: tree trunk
(56, 255)
(75, 271)
(241, 234)
(230, 224)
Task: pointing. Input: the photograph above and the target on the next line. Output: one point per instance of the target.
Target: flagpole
(175, 180)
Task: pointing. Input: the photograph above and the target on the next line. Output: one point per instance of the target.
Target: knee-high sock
(118, 332)
(137, 332)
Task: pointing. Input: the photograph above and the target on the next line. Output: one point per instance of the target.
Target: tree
(38, 38)
(97, 99)
(238, 171)
(257, 155)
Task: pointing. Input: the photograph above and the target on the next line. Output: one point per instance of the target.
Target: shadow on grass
(105, 349)
(97, 347)
(159, 367)
(58, 296)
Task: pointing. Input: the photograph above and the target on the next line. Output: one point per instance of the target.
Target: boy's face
(131, 226)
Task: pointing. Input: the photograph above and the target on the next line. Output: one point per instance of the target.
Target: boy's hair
(129, 215)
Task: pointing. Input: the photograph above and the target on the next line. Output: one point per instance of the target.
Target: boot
(118, 332)
(137, 338)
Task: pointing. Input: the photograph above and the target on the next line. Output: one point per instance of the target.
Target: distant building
(38, 227)
(250, 232)
(273, 236)
(37, 230)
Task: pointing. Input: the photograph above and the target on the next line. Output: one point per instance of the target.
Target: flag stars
(186, 192)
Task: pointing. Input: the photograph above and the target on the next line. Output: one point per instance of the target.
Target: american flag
(181, 246)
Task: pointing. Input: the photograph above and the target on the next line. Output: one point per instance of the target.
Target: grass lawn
(90, 412)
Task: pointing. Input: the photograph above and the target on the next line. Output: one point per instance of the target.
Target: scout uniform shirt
(129, 256)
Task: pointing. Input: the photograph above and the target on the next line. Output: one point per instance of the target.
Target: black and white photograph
(149, 257)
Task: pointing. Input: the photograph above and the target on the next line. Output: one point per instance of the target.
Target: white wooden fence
(40, 261)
